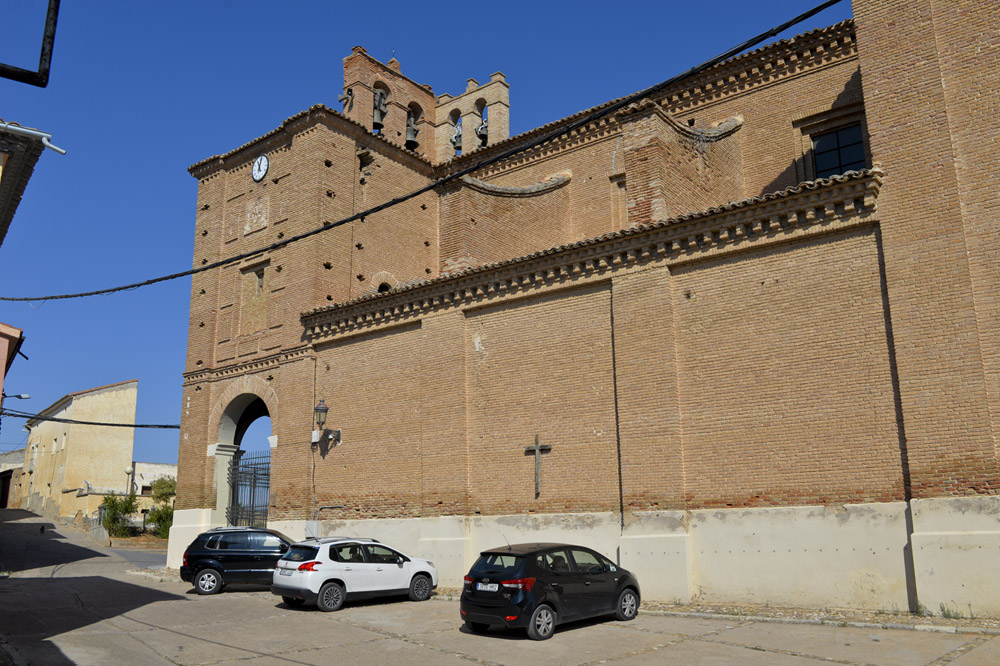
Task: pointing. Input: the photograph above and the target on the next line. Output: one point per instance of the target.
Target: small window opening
(384, 287)
(839, 151)
(260, 280)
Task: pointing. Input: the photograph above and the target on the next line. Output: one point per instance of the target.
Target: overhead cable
(544, 138)
(38, 417)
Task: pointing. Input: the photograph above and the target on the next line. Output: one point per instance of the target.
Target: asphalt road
(70, 601)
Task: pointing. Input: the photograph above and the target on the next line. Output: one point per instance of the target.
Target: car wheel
(420, 588)
(477, 627)
(293, 602)
(542, 623)
(628, 605)
(208, 581)
(331, 597)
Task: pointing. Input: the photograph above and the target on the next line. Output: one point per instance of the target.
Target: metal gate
(250, 481)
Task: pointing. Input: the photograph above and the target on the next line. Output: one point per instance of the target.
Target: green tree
(117, 509)
(162, 513)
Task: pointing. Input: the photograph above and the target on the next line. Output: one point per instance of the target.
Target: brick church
(741, 335)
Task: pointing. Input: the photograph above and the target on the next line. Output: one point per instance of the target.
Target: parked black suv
(232, 555)
(537, 585)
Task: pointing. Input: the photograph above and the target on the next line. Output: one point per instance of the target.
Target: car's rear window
(498, 563)
(301, 553)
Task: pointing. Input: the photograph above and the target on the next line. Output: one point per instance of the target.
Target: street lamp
(320, 411)
(19, 396)
(128, 479)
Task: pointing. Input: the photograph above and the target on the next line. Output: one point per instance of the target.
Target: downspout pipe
(32, 134)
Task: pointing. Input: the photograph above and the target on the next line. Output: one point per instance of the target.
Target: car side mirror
(283, 548)
(596, 569)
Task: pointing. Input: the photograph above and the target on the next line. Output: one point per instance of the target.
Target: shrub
(162, 513)
(117, 509)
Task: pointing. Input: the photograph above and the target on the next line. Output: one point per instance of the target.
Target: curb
(931, 628)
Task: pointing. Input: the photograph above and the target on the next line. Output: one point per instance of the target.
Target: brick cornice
(847, 198)
(774, 62)
(246, 367)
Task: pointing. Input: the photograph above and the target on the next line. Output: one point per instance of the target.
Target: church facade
(740, 334)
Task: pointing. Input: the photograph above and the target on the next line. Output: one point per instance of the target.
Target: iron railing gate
(250, 481)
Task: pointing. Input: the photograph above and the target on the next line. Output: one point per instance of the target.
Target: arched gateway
(242, 477)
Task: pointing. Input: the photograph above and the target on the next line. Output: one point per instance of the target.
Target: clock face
(259, 168)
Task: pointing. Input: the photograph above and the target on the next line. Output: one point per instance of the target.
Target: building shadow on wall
(35, 610)
(797, 171)
(28, 543)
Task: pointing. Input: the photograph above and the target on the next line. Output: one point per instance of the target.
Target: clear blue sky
(139, 91)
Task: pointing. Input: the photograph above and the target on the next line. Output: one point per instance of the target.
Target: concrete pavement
(69, 601)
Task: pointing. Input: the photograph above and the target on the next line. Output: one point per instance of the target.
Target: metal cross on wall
(537, 450)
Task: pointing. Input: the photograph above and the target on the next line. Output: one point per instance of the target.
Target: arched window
(482, 130)
(414, 114)
(380, 106)
(456, 138)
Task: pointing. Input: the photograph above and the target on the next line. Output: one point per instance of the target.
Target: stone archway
(244, 401)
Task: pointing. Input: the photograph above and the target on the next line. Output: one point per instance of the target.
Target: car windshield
(498, 563)
(301, 553)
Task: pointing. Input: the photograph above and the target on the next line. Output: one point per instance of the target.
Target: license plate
(487, 587)
(284, 572)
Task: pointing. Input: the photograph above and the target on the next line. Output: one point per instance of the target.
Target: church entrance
(249, 469)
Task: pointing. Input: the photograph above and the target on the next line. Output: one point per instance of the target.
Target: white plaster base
(188, 524)
(956, 554)
(846, 556)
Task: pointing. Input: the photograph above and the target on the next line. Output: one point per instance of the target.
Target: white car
(329, 570)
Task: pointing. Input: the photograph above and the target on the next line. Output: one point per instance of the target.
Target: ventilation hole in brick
(275, 180)
(277, 269)
(690, 122)
(204, 232)
(330, 194)
(270, 378)
(201, 324)
(329, 297)
(427, 270)
(687, 294)
(327, 265)
(427, 243)
(362, 181)
(281, 234)
(199, 362)
(384, 287)
(326, 223)
(204, 261)
(423, 206)
(202, 291)
(361, 278)
(329, 163)
(197, 388)
(205, 207)
(360, 246)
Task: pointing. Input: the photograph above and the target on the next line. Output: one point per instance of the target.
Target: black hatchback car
(539, 585)
(232, 555)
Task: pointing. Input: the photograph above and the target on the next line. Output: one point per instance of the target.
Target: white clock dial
(260, 168)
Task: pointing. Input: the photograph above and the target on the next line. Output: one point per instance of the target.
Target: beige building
(69, 467)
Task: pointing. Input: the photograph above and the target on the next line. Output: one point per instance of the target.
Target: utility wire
(38, 417)
(544, 138)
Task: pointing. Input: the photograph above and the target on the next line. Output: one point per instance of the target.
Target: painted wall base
(851, 556)
(956, 553)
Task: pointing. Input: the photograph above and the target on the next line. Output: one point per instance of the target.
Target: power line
(544, 138)
(38, 417)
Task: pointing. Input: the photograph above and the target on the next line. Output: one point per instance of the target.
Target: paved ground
(69, 601)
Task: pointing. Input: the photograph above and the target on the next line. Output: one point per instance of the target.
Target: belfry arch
(243, 402)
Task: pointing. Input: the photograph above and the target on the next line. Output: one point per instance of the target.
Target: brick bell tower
(402, 111)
